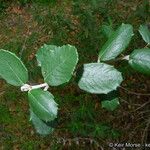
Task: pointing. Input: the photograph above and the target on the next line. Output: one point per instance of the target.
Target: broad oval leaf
(39, 125)
(145, 33)
(12, 69)
(57, 63)
(117, 43)
(99, 78)
(110, 105)
(139, 60)
(43, 105)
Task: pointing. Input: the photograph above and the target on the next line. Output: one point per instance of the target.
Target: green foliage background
(25, 25)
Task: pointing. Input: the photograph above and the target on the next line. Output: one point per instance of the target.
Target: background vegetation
(25, 25)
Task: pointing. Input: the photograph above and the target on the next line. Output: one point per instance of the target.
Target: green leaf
(139, 60)
(110, 105)
(58, 63)
(107, 30)
(99, 78)
(43, 105)
(12, 69)
(39, 125)
(145, 33)
(117, 43)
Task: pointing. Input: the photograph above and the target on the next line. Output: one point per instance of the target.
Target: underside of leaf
(39, 125)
